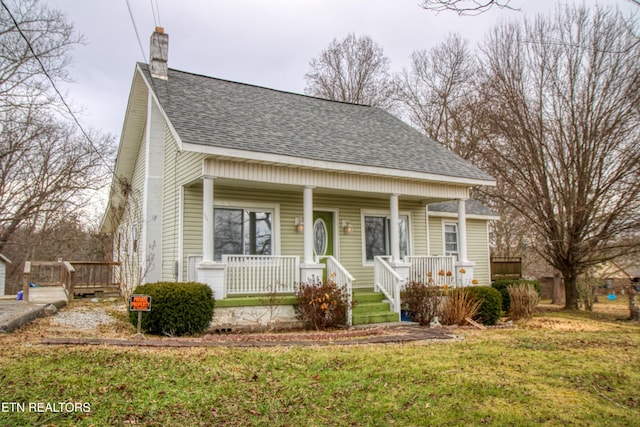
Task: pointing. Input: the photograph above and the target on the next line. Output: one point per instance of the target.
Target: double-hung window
(242, 232)
(377, 236)
(451, 239)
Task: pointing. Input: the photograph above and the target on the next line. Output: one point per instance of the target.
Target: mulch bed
(376, 335)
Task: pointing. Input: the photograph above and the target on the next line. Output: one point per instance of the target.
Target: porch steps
(370, 308)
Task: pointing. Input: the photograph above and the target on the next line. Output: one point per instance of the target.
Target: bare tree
(439, 97)
(352, 70)
(46, 171)
(465, 7)
(48, 167)
(561, 102)
(34, 40)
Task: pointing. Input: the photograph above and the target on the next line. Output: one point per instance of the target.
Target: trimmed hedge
(176, 308)
(503, 285)
(490, 306)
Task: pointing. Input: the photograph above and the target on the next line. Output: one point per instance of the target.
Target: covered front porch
(265, 237)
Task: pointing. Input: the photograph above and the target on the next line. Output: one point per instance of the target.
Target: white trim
(469, 216)
(180, 232)
(445, 222)
(387, 215)
(426, 218)
(283, 160)
(344, 181)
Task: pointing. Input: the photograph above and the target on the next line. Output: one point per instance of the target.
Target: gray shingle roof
(210, 111)
(473, 207)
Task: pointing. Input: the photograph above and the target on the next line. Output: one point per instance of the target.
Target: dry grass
(458, 306)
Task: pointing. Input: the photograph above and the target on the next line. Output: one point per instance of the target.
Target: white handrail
(387, 281)
(434, 270)
(342, 278)
(261, 274)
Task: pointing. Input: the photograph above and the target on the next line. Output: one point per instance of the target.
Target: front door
(323, 236)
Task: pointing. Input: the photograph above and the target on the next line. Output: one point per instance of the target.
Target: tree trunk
(571, 292)
(558, 296)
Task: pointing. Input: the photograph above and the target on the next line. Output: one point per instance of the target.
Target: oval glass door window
(320, 237)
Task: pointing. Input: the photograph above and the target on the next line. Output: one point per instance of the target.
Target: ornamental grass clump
(503, 287)
(322, 305)
(458, 306)
(523, 301)
(422, 301)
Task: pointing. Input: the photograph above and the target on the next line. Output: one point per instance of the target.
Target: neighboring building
(247, 188)
(3, 273)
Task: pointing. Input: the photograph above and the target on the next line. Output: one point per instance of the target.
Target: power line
(155, 21)
(156, 11)
(55, 87)
(135, 28)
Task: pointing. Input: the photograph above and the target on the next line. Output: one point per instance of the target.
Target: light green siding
(477, 244)
(288, 203)
(180, 168)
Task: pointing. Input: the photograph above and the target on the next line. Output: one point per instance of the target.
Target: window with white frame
(242, 232)
(377, 236)
(451, 239)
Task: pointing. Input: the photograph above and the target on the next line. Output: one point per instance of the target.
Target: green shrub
(176, 308)
(322, 305)
(503, 287)
(422, 301)
(490, 304)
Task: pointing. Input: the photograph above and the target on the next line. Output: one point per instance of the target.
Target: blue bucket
(19, 296)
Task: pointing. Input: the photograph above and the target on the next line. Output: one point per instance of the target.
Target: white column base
(212, 274)
(311, 272)
(464, 273)
(403, 269)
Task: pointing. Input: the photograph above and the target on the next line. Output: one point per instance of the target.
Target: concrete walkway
(14, 314)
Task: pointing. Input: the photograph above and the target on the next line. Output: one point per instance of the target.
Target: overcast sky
(263, 42)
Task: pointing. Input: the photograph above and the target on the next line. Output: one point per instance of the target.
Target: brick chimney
(159, 54)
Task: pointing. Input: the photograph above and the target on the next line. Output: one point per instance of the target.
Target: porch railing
(387, 281)
(257, 274)
(342, 277)
(437, 270)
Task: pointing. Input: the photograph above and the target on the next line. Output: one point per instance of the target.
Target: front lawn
(558, 369)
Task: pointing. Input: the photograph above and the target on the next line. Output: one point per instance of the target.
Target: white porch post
(394, 232)
(308, 224)
(209, 271)
(309, 270)
(394, 239)
(464, 267)
(462, 230)
(207, 219)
